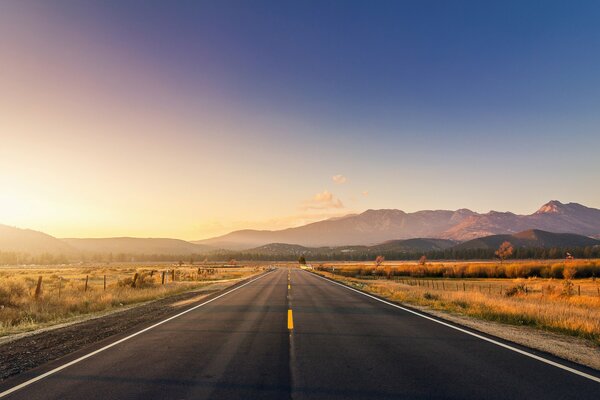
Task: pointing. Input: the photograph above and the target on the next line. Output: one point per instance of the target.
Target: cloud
(339, 179)
(365, 193)
(322, 201)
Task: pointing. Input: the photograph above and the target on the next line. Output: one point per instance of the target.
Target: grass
(544, 303)
(63, 295)
(474, 269)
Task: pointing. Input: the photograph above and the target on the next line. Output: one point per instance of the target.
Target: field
(34, 296)
(540, 299)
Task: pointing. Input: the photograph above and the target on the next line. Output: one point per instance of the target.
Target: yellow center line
(290, 320)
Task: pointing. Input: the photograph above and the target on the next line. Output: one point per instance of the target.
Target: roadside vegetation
(33, 297)
(557, 296)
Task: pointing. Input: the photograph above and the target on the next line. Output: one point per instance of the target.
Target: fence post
(490, 288)
(59, 285)
(135, 278)
(104, 282)
(38, 288)
(86, 283)
(173, 275)
(579, 290)
(464, 287)
(162, 280)
(443, 286)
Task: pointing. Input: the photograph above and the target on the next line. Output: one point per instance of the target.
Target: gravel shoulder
(25, 351)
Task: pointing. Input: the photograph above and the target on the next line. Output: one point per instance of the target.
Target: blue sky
(250, 108)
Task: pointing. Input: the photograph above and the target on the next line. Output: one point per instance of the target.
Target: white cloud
(322, 201)
(339, 179)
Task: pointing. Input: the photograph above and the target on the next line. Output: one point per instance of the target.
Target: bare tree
(379, 260)
(504, 251)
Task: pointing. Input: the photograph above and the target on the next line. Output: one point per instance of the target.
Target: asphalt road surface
(335, 343)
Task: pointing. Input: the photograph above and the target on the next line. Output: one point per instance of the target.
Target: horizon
(330, 218)
(195, 120)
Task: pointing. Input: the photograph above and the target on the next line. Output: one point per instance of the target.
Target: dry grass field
(34, 296)
(565, 305)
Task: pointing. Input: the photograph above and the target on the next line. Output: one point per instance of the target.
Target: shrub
(12, 291)
(515, 290)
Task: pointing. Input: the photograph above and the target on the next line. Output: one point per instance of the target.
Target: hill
(532, 238)
(32, 242)
(394, 246)
(131, 245)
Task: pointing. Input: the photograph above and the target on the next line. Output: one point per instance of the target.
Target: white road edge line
(516, 350)
(57, 369)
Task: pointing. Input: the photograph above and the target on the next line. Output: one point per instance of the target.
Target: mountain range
(376, 226)
(372, 231)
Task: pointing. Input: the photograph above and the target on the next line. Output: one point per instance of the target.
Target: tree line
(17, 258)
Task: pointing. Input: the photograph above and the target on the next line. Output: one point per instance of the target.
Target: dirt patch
(32, 349)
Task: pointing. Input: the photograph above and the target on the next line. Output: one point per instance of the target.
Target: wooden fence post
(59, 285)
(464, 287)
(173, 275)
(38, 288)
(162, 280)
(579, 290)
(86, 283)
(135, 278)
(104, 282)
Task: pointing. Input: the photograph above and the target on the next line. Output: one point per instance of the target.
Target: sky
(190, 119)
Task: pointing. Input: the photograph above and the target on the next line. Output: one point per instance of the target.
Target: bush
(11, 292)
(430, 296)
(515, 290)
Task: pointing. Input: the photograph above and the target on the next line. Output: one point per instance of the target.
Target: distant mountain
(131, 245)
(553, 217)
(29, 241)
(532, 238)
(367, 228)
(376, 226)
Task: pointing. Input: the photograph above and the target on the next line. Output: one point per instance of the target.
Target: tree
(301, 260)
(504, 251)
(379, 260)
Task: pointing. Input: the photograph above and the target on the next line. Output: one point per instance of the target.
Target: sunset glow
(125, 121)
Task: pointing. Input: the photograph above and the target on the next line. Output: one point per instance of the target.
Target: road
(343, 345)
